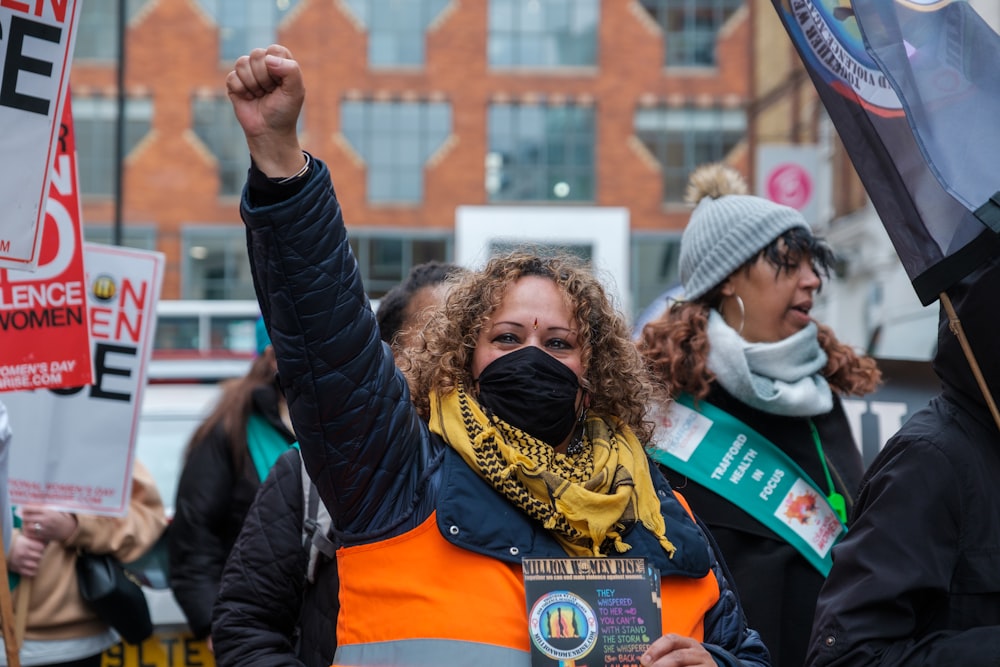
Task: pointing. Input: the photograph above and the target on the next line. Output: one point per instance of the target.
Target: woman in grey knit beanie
(743, 344)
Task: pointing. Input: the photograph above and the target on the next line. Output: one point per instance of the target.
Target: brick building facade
(480, 60)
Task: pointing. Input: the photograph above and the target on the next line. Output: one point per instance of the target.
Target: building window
(540, 153)
(396, 29)
(142, 237)
(246, 25)
(543, 33)
(395, 139)
(97, 30)
(655, 269)
(215, 263)
(691, 28)
(385, 258)
(95, 130)
(682, 139)
(216, 125)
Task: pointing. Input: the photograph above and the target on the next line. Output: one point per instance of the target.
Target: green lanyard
(835, 499)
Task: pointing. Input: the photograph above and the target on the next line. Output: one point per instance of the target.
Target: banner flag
(944, 61)
(892, 74)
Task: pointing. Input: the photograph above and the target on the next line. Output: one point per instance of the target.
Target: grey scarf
(779, 378)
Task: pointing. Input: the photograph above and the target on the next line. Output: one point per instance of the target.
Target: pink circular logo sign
(789, 184)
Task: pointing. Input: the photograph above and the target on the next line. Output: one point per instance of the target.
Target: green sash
(265, 444)
(749, 471)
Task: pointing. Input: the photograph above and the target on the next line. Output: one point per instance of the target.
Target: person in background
(743, 352)
(915, 582)
(278, 600)
(524, 436)
(228, 456)
(61, 629)
(403, 311)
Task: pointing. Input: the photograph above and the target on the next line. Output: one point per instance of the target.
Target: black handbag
(114, 594)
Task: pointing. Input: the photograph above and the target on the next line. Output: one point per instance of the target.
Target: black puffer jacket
(266, 613)
(917, 580)
(212, 500)
(378, 468)
(777, 585)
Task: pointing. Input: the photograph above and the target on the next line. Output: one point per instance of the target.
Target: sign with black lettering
(36, 51)
(907, 386)
(43, 314)
(74, 447)
(163, 649)
(591, 611)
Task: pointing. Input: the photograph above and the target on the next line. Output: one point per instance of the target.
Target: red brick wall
(172, 55)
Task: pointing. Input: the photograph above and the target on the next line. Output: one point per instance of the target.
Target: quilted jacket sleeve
(361, 440)
(255, 615)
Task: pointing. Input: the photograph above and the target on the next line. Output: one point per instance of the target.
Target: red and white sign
(74, 448)
(43, 315)
(795, 176)
(36, 51)
(789, 184)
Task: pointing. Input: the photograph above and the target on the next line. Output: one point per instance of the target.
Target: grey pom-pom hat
(727, 231)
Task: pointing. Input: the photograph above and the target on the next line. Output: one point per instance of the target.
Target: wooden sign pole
(12, 644)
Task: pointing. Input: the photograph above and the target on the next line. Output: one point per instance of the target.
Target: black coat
(777, 585)
(266, 613)
(212, 500)
(917, 580)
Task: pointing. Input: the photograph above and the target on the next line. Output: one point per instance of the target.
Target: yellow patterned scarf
(586, 501)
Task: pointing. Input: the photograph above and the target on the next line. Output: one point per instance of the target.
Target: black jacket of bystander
(916, 581)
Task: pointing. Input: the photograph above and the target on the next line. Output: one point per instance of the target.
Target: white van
(203, 341)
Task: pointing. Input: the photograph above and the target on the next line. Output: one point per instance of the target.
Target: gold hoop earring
(743, 313)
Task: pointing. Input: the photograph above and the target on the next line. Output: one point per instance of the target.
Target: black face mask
(532, 391)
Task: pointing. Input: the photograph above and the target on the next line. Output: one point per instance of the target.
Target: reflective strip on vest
(416, 599)
(431, 653)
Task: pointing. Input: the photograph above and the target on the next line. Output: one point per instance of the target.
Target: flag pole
(956, 328)
(21, 613)
(11, 643)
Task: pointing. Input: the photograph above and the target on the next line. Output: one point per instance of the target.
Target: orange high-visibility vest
(418, 600)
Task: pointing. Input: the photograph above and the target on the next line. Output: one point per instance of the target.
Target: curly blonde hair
(615, 376)
(676, 346)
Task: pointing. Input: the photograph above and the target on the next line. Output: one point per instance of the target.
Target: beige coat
(55, 608)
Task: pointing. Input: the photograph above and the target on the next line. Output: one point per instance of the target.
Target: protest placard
(74, 448)
(43, 314)
(36, 51)
(591, 611)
